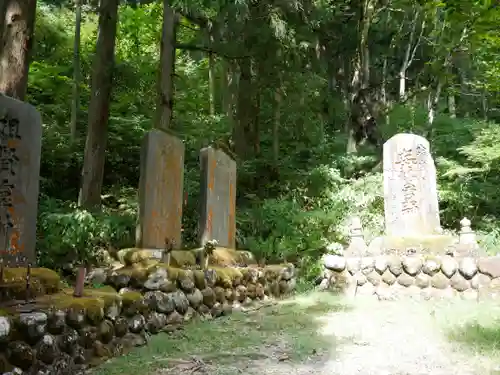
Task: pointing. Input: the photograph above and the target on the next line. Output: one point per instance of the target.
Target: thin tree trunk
(3, 9)
(411, 48)
(102, 76)
(360, 75)
(276, 125)
(484, 104)
(211, 72)
(243, 129)
(17, 41)
(76, 70)
(259, 70)
(164, 109)
(452, 107)
(432, 102)
(230, 92)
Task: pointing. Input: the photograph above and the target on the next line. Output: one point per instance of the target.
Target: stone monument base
(438, 244)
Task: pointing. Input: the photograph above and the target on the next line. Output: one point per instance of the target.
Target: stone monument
(410, 188)
(20, 149)
(160, 192)
(218, 198)
(411, 198)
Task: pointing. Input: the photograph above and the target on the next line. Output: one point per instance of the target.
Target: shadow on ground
(289, 331)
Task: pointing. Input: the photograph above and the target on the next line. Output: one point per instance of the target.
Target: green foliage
(69, 236)
(295, 207)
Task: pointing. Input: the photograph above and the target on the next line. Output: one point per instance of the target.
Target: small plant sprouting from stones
(208, 250)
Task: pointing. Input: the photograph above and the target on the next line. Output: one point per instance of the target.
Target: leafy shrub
(68, 236)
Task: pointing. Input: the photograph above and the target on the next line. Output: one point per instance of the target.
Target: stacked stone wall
(59, 334)
(418, 276)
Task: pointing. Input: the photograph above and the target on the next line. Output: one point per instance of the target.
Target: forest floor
(321, 334)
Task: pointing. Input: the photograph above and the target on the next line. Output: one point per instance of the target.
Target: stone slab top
(406, 245)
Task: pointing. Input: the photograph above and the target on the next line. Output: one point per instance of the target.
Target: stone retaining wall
(60, 334)
(418, 276)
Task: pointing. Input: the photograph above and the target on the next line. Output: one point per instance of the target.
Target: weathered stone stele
(20, 149)
(410, 188)
(160, 191)
(218, 198)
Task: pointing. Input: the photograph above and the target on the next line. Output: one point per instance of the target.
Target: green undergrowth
(289, 330)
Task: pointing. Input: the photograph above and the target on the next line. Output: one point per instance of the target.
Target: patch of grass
(475, 327)
(481, 338)
(290, 329)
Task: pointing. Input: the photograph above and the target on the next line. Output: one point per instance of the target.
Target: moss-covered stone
(251, 291)
(42, 281)
(220, 294)
(209, 297)
(129, 297)
(137, 272)
(273, 272)
(199, 279)
(182, 258)
(228, 257)
(133, 256)
(229, 294)
(226, 275)
(92, 304)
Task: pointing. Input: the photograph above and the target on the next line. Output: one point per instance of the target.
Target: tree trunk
(276, 125)
(243, 129)
(76, 70)
(484, 104)
(3, 9)
(259, 69)
(211, 72)
(17, 41)
(102, 77)
(432, 103)
(452, 107)
(165, 102)
(360, 79)
(385, 98)
(230, 79)
(409, 55)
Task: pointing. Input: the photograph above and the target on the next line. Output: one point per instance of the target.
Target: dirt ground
(321, 334)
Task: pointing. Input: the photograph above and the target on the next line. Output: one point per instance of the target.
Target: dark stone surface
(20, 149)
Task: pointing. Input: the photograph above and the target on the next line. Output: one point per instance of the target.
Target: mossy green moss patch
(42, 281)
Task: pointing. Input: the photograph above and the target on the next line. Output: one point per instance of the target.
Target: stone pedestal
(357, 245)
(438, 244)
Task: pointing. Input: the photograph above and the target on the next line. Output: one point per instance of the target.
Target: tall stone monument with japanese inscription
(20, 149)
(160, 191)
(410, 199)
(218, 198)
(410, 188)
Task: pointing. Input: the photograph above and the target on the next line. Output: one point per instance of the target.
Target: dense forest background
(303, 92)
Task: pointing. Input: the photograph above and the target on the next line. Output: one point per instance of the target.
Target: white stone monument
(410, 188)
(410, 199)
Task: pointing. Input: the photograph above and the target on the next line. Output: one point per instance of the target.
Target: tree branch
(192, 47)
